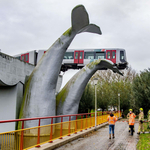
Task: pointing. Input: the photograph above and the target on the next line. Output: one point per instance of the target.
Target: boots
(138, 132)
(113, 136)
(109, 136)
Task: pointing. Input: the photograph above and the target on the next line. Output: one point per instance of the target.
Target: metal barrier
(35, 136)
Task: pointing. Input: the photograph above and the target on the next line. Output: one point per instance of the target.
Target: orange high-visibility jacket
(132, 119)
(111, 120)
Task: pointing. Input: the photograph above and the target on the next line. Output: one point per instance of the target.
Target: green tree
(141, 90)
(86, 102)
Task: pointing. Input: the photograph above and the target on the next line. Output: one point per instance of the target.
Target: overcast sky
(27, 25)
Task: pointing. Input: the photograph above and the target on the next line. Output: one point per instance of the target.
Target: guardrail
(35, 136)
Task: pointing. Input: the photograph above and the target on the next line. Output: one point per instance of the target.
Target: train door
(78, 57)
(113, 56)
(25, 57)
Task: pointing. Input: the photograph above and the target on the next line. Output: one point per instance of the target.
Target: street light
(95, 83)
(119, 104)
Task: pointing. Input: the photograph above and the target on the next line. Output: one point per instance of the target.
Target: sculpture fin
(91, 28)
(80, 21)
(80, 18)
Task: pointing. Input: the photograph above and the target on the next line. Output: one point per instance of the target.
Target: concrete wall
(13, 70)
(10, 103)
(7, 107)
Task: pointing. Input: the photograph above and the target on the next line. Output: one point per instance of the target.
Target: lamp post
(95, 83)
(119, 104)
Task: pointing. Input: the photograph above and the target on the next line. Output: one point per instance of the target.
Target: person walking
(129, 116)
(111, 120)
(131, 121)
(141, 119)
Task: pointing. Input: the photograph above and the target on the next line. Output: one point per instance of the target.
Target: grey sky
(27, 25)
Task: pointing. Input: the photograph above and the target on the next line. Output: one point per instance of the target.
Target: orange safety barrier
(33, 137)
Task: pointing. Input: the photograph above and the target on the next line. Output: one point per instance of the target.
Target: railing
(35, 136)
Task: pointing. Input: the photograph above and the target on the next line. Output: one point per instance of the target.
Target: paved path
(99, 140)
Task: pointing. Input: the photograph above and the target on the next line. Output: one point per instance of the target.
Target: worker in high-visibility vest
(128, 116)
(141, 119)
(131, 121)
(148, 119)
(111, 120)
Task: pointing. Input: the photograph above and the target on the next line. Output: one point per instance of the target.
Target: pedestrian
(111, 120)
(141, 119)
(148, 120)
(130, 115)
(131, 121)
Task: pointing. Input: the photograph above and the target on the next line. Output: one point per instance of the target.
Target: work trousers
(130, 128)
(111, 127)
(141, 127)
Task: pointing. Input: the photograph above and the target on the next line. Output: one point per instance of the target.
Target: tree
(141, 90)
(86, 102)
(108, 87)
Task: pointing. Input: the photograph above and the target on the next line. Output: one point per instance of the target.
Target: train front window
(100, 56)
(122, 55)
(68, 55)
(89, 55)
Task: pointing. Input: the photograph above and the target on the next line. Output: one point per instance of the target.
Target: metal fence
(27, 138)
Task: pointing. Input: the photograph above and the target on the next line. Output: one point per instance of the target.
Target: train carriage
(75, 59)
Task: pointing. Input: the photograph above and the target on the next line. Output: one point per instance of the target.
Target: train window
(23, 58)
(81, 54)
(108, 55)
(121, 55)
(68, 55)
(18, 57)
(100, 56)
(113, 55)
(89, 55)
(26, 57)
(76, 56)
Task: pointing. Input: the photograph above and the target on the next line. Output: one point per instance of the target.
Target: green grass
(144, 140)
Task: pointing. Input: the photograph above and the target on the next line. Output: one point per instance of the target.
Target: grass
(144, 140)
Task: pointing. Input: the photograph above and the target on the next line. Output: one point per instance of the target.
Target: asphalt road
(99, 140)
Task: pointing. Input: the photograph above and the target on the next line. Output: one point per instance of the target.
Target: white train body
(75, 59)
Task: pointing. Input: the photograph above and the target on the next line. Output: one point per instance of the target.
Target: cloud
(28, 25)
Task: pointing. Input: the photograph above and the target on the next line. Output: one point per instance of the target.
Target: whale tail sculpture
(39, 96)
(80, 21)
(69, 97)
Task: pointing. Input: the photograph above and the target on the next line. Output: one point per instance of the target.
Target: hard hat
(130, 109)
(141, 109)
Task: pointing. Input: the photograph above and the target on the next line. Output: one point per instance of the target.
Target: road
(99, 140)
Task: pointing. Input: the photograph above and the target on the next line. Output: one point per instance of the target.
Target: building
(13, 73)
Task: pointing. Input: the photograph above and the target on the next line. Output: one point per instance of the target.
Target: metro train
(76, 59)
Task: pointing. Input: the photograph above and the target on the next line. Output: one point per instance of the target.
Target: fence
(35, 136)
